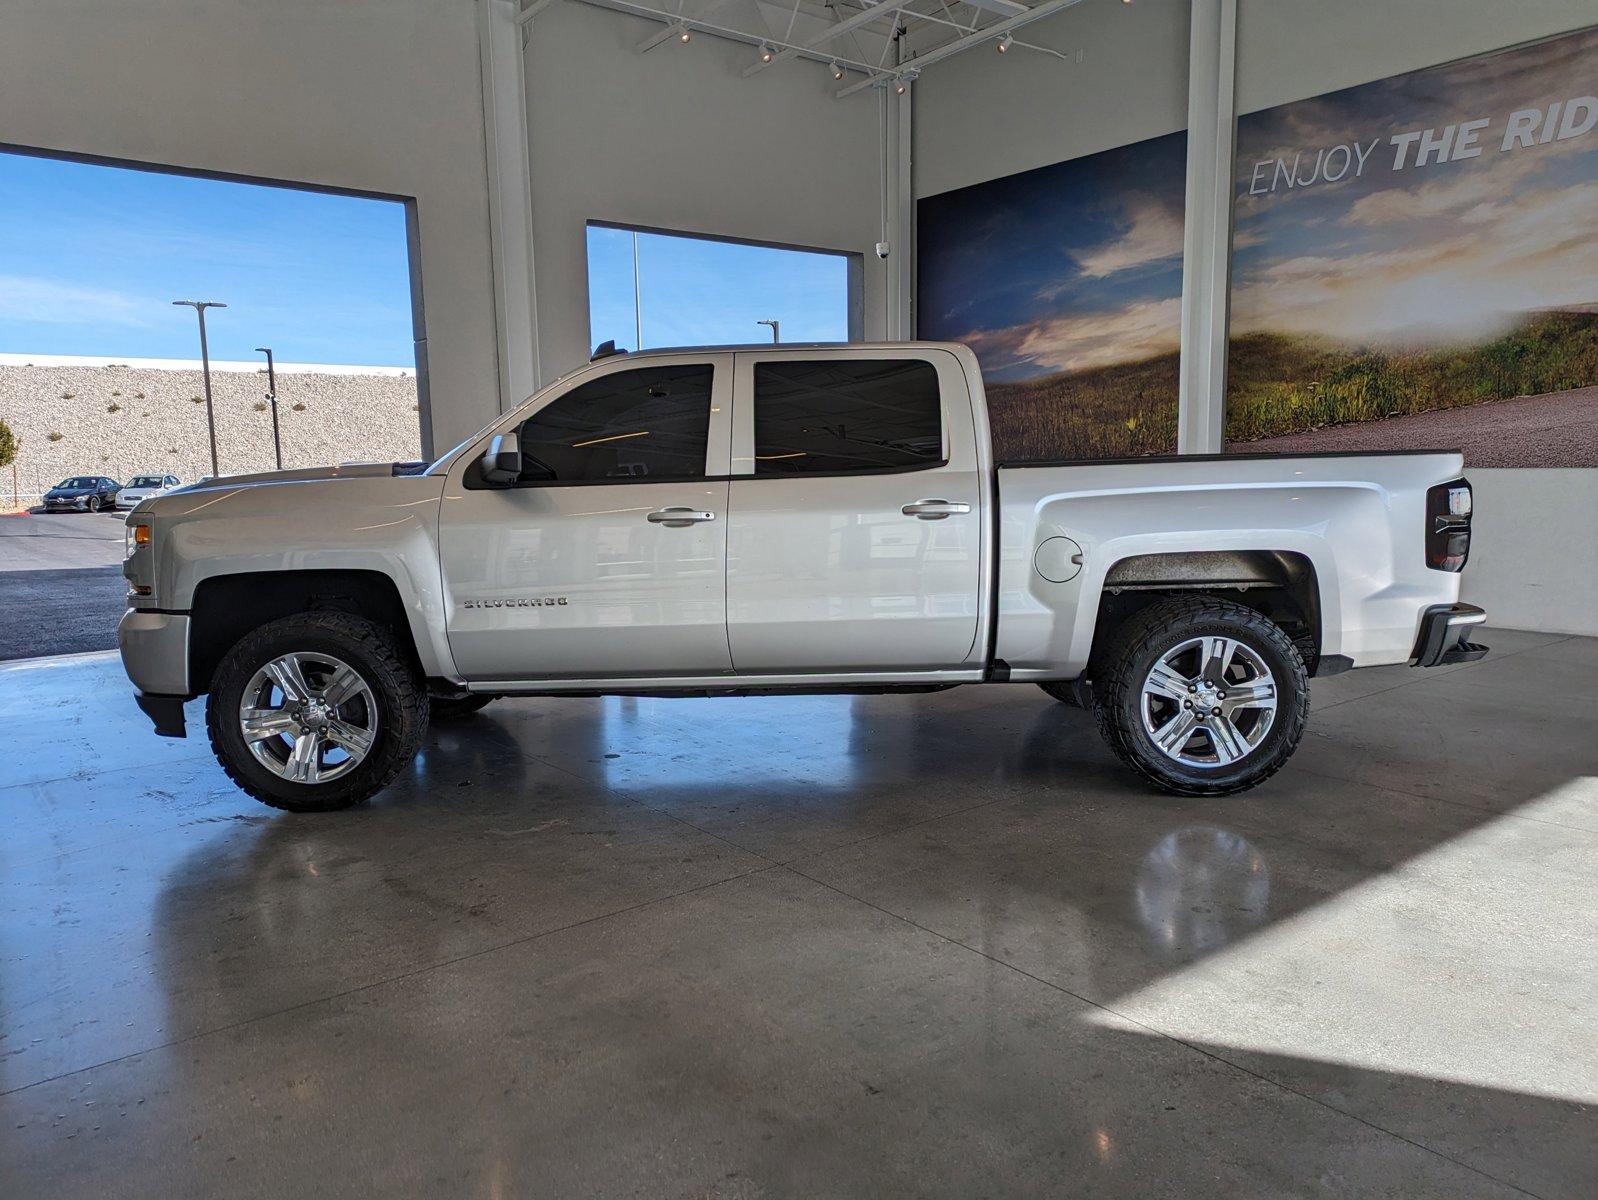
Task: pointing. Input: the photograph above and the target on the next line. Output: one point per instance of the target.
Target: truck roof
(762, 347)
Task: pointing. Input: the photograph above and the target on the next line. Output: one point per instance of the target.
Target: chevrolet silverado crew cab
(816, 518)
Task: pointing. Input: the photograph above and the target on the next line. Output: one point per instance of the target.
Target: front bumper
(1442, 639)
(75, 504)
(155, 653)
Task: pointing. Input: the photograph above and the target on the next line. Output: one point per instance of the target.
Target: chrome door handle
(936, 510)
(679, 518)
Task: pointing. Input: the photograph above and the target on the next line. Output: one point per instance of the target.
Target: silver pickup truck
(816, 518)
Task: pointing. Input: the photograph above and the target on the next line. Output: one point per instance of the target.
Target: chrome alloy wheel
(1208, 702)
(308, 717)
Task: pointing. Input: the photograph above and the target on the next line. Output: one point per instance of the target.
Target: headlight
(137, 534)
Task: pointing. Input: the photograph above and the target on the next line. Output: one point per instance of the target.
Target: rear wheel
(1202, 696)
(315, 712)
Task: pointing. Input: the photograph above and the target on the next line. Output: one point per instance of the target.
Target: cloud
(36, 300)
(1153, 234)
(1467, 275)
(1074, 343)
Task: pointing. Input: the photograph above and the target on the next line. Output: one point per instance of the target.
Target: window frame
(717, 438)
(950, 382)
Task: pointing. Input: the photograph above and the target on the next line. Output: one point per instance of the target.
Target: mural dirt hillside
(120, 420)
(1286, 384)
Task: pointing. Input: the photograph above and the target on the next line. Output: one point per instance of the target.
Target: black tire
(454, 708)
(372, 651)
(1120, 670)
(92, 504)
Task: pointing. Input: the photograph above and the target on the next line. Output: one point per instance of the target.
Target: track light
(902, 83)
(684, 34)
(1004, 44)
(837, 71)
(766, 54)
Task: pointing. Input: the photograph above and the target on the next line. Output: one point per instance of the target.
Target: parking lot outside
(61, 583)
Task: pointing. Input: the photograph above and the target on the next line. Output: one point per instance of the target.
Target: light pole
(200, 306)
(776, 330)
(271, 398)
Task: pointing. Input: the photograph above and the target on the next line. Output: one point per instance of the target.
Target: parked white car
(144, 487)
(769, 519)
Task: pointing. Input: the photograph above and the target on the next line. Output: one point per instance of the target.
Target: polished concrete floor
(886, 946)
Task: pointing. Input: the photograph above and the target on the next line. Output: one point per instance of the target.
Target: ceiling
(865, 43)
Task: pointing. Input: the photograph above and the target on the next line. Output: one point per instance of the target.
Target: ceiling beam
(959, 45)
(1005, 8)
(874, 11)
(671, 21)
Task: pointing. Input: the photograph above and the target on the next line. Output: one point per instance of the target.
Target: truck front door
(606, 558)
(855, 528)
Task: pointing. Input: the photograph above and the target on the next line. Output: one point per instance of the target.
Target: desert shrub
(299, 406)
(53, 436)
(69, 395)
(113, 407)
(259, 406)
(196, 399)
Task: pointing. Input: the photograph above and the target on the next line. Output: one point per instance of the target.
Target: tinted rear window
(846, 415)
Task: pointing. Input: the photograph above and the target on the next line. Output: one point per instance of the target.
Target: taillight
(1448, 508)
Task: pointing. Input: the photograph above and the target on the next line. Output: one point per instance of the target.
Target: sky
(91, 258)
(1061, 268)
(1446, 252)
(695, 291)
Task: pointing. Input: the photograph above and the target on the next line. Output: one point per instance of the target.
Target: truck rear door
(855, 524)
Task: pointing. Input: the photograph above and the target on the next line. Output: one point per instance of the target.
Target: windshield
(145, 481)
(83, 481)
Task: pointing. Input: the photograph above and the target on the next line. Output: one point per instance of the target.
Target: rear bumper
(1443, 636)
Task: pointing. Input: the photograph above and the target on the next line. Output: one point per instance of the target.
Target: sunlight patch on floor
(1450, 967)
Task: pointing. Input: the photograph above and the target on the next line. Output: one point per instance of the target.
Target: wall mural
(1067, 282)
(1416, 264)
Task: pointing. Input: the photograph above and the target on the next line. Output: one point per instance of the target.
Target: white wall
(375, 95)
(982, 115)
(678, 139)
(1535, 560)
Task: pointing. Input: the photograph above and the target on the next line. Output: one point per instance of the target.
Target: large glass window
(647, 424)
(846, 415)
(657, 289)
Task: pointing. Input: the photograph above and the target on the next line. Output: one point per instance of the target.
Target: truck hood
(307, 474)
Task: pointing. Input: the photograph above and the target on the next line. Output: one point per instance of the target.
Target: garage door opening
(101, 386)
(649, 288)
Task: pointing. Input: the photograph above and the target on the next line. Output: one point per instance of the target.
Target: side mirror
(502, 461)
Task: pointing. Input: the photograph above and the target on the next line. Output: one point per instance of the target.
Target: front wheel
(316, 711)
(1205, 697)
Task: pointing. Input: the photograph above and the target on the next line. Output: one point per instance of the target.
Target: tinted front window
(846, 415)
(76, 483)
(649, 423)
(144, 481)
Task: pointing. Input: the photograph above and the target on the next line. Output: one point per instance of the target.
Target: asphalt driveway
(61, 586)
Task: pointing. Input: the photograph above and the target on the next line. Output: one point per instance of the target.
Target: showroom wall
(372, 95)
(1535, 561)
(677, 139)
